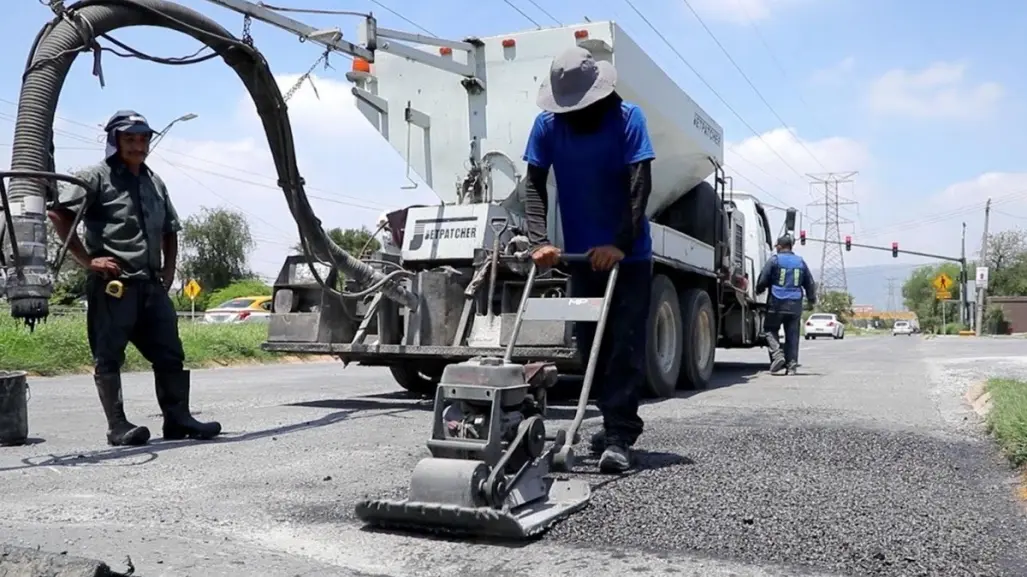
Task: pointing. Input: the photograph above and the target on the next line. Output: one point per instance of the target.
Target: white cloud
(934, 224)
(756, 163)
(941, 90)
(742, 11)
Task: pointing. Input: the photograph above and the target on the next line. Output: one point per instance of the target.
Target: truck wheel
(417, 381)
(665, 340)
(700, 324)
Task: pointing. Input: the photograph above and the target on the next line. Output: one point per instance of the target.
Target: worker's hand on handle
(167, 277)
(106, 266)
(546, 256)
(604, 257)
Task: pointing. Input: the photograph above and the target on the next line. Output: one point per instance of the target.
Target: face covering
(590, 118)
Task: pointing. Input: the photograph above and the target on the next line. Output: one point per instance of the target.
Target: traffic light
(802, 237)
(848, 242)
(895, 249)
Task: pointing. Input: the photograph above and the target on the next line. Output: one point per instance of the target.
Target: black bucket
(14, 408)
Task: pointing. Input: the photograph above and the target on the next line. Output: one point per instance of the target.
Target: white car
(902, 328)
(824, 325)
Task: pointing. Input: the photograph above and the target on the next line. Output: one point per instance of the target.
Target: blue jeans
(791, 347)
(620, 370)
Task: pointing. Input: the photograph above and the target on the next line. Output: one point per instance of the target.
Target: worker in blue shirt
(599, 147)
(787, 276)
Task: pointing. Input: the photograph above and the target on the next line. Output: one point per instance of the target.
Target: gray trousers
(772, 325)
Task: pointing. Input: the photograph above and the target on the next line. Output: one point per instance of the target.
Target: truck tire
(664, 340)
(700, 339)
(415, 380)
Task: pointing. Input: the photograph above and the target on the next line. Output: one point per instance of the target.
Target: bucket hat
(576, 80)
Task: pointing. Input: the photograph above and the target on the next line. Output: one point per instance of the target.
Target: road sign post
(982, 277)
(192, 290)
(942, 283)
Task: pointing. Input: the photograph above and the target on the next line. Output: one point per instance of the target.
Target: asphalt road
(867, 464)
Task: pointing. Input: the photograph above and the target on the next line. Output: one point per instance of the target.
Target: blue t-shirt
(592, 175)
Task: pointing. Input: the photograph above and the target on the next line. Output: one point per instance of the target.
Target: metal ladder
(594, 310)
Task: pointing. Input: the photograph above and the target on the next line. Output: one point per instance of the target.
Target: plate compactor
(490, 470)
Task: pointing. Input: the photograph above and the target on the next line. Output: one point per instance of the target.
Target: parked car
(902, 328)
(824, 325)
(240, 310)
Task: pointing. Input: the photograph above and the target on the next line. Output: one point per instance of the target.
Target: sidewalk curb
(979, 398)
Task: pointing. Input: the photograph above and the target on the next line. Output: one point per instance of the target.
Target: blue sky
(903, 92)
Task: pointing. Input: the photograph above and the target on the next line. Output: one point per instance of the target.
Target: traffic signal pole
(892, 250)
(895, 253)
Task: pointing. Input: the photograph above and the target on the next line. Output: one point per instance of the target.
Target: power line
(711, 89)
(546, 12)
(751, 85)
(522, 13)
(355, 202)
(777, 62)
(402, 17)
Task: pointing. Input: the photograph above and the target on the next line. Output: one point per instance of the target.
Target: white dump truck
(459, 113)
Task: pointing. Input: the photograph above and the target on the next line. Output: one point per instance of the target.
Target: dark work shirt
(127, 220)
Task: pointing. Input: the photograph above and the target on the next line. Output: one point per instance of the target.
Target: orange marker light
(361, 65)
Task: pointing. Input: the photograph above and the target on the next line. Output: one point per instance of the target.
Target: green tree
(359, 242)
(70, 280)
(836, 302)
(214, 248)
(919, 296)
(1007, 263)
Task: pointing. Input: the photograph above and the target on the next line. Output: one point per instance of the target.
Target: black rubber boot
(173, 397)
(120, 432)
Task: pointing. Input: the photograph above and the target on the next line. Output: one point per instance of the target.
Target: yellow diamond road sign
(192, 289)
(943, 282)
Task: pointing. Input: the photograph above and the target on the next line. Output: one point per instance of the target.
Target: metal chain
(246, 22)
(306, 76)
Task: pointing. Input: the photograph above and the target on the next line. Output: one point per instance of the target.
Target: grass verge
(1007, 419)
(60, 346)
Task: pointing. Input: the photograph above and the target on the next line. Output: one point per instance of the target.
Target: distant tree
(920, 296)
(356, 241)
(1007, 263)
(214, 248)
(70, 279)
(836, 302)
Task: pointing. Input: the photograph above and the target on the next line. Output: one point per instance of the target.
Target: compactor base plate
(566, 496)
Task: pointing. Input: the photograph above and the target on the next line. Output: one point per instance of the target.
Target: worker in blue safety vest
(787, 276)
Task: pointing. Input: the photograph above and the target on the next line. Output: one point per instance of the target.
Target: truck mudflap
(384, 355)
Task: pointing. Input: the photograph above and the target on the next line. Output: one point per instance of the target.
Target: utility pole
(964, 309)
(832, 260)
(979, 321)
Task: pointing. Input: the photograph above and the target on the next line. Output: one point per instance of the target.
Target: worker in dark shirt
(787, 276)
(129, 249)
(599, 147)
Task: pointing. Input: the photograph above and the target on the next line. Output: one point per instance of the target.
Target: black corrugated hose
(56, 48)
